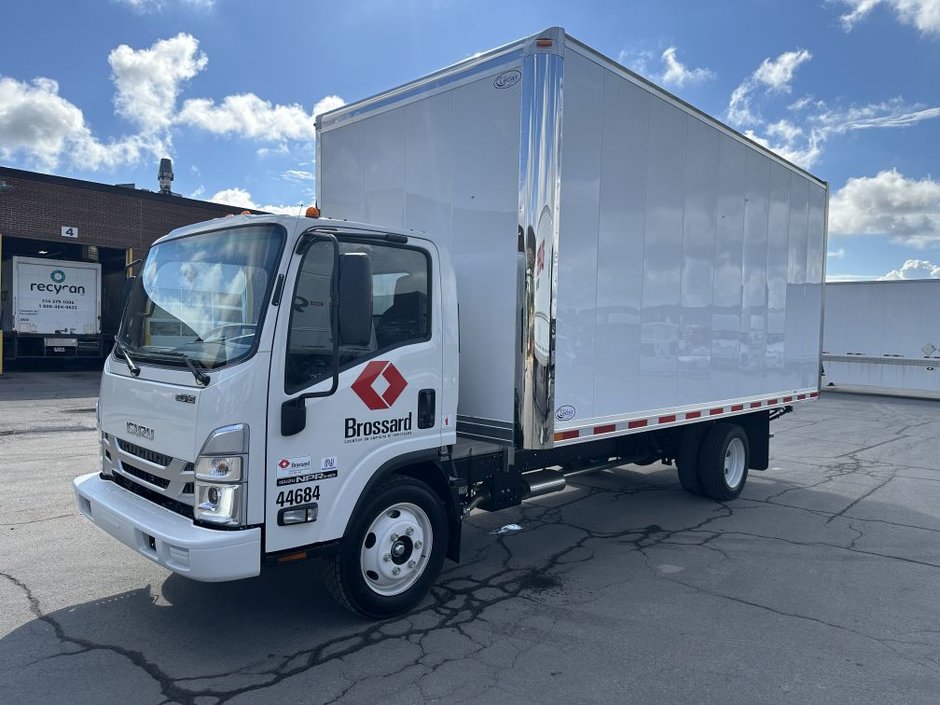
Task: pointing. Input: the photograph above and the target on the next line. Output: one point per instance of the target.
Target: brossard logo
(364, 387)
(58, 284)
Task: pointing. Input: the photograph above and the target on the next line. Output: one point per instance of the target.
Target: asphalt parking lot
(818, 585)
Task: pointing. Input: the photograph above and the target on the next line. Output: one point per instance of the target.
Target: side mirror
(355, 299)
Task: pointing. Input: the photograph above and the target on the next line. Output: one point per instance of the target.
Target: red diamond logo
(364, 389)
(284, 464)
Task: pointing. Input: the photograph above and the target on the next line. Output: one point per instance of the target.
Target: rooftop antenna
(165, 176)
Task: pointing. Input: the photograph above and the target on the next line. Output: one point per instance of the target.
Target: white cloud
(247, 115)
(837, 254)
(922, 14)
(636, 60)
(678, 74)
(907, 210)
(42, 125)
(773, 75)
(146, 6)
(789, 142)
(148, 81)
(671, 71)
(330, 102)
(298, 175)
(914, 269)
(240, 198)
(43, 128)
(777, 74)
(803, 144)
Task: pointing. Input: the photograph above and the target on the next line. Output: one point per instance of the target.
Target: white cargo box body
(52, 296)
(623, 260)
(884, 335)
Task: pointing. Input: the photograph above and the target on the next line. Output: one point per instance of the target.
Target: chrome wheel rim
(395, 549)
(734, 463)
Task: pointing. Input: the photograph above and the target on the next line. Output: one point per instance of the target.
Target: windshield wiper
(200, 376)
(131, 365)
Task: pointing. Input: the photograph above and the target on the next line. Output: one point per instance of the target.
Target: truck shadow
(188, 639)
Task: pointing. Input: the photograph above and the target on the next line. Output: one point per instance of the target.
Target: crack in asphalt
(458, 601)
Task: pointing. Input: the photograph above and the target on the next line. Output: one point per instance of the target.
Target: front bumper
(167, 538)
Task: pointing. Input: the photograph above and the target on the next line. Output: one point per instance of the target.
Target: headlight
(219, 504)
(219, 468)
(220, 472)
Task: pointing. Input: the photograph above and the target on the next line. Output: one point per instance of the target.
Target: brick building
(53, 217)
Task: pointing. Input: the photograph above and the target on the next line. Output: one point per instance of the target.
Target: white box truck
(883, 336)
(537, 263)
(50, 307)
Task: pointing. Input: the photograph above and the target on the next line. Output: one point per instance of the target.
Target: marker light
(313, 212)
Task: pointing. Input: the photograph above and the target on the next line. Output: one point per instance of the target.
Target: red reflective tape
(755, 404)
(814, 394)
(639, 423)
(566, 435)
(771, 401)
(737, 407)
(800, 396)
(715, 412)
(607, 428)
(786, 399)
(667, 419)
(693, 414)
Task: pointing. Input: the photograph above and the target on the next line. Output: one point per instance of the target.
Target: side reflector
(288, 557)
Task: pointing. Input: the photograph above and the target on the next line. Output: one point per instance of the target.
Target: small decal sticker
(507, 79)
(290, 467)
(310, 477)
(328, 463)
(565, 413)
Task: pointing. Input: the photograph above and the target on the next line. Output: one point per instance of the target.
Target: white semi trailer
(50, 307)
(536, 263)
(883, 336)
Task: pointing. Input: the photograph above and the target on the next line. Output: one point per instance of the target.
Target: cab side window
(310, 337)
(400, 310)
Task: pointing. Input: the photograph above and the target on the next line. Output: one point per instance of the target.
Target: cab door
(372, 399)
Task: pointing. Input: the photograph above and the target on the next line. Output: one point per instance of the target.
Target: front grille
(185, 509)
(160, 482)
(151, 456)
(188, 488)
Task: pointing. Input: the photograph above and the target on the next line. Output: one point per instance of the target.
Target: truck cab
(270, 375)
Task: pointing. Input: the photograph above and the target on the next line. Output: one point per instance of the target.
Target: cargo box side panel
(703, 256)
(884, 335)
(447, 165)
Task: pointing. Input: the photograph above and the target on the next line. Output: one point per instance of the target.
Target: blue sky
(228, 88)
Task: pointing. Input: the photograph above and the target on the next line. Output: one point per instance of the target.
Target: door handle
(426, 405)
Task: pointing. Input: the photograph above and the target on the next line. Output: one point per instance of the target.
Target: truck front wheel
(392, 552)
(723, 461)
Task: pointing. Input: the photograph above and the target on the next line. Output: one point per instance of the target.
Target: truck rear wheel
(723, 461)
(392, 552)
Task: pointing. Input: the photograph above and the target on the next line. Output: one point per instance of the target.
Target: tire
(362, 576)
(687, 459)
(723, 462)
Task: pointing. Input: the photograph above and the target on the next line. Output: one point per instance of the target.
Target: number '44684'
(302, 495)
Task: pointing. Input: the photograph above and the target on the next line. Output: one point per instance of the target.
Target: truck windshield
(202, 297)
